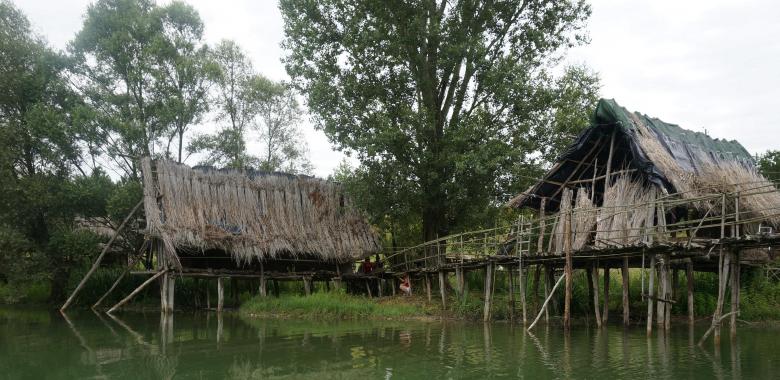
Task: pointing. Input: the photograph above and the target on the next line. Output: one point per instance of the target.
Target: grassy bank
(335, 305)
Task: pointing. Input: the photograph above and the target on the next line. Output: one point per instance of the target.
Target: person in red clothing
(366, 267)
(406, 285)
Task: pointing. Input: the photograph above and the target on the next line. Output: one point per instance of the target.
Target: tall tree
(440, 94)
(183, 69)
(279, 118)
(235, 107)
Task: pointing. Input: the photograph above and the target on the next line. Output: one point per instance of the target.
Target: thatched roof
(253, 215)
(674, 159)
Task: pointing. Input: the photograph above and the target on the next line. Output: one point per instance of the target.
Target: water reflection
(88, 345)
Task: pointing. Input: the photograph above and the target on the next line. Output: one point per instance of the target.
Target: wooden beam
(96, 264)
(136, 291)
(576, 168)
(650, 300)
(546, 301)
(605, 313)
(594, 286)
(220, 294)
(689, 285)
(488, 290)
(567, 244)
(626, 306)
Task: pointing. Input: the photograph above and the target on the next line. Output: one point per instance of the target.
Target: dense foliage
(448, 105)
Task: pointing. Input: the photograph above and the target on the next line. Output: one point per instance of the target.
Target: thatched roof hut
(252, 215)
(627, 158)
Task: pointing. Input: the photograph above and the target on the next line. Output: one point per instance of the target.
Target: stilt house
(207, 219)
(620, 178)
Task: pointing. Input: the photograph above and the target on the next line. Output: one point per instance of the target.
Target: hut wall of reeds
(251, 216)
(626, 158)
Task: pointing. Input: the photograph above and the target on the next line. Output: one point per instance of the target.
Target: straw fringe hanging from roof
(621, 221)
(261, 217)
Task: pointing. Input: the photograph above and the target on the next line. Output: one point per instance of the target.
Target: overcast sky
(701, 64)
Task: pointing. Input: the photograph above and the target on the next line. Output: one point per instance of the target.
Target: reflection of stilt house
(208, 223)
(622, 173)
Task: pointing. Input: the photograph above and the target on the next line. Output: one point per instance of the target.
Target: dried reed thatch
(710, 174)
(621, 221)
(252, 215)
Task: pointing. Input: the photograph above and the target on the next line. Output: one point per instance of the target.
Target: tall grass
(330, 305)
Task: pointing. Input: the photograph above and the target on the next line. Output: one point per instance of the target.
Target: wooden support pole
(488, 290)
(660, 306)
(96, 264)
(443, 288)
(549, 274)
(136, 291)
(220, 294)
(546, 301)
(511, 293)
(263, 290)
(171, 291)
(428, 286)
(568, 271)
(594, 286)
(626, 305)
(609, 159)
(164, 294)
(605, 313)
(668, 293)
(540, 243)
(521, 279)
(734, 293)
(307, 286)
(689, 285)
(460, 280)
(723, 275)
(650, 299)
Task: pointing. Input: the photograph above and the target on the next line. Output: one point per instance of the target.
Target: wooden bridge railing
(541, 236)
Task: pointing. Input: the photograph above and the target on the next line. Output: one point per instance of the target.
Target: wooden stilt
(689, 285)
(605, 313)
(723, 275)
(549, 273)
(368, 288)
(379, 283)
(443, 288)
(660, 306)
(102, 254)
(626, 306)
(164, 294)
(650, 293)
(460, 280)
(220, 294)
(488, 290)
(171, 291)
(521, 279)
(568, 272)
(511, 294)
(668, 293)
(208, 296)
(546, 301)
(307, 286)
(263, 290)
(594, 277)
(136, 291)
(428, 286)
(734, 293)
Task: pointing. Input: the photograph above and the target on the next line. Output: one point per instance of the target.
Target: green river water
(36, 344)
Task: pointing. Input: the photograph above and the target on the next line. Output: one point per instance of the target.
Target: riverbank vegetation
(437, 150)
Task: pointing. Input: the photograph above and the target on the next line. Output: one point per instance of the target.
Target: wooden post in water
(649, 296)
(443, 288)
(164, 293)
(594, 278)
(734, 292)
(263, 290)
(605, 314)
(689, 285)
(511, 294)
(428, 286)
(488, 289)
(171, 291)
(660, 304)
(521, 278)
(668, 293)
(723, 269)
(624, 272)
(567, 271)
(220, 294)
